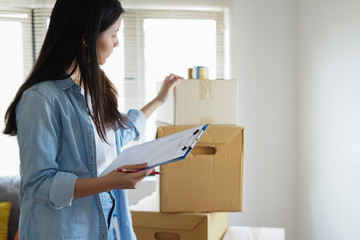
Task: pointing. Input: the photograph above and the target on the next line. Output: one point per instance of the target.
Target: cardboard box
(197, 101)
(210, 179)
(149, 223)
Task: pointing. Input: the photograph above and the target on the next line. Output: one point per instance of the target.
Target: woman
(69, 129)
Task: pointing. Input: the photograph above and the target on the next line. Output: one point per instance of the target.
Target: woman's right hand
(85, 187)
(121, 180)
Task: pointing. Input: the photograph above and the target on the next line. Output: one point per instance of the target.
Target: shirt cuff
(138, 120)
(62, 190)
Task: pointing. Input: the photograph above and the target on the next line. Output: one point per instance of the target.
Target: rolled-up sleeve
(38, 139)
(62, 190)
(137, 124)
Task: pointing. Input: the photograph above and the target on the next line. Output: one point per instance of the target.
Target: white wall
(264, 44)
(329, 87)
(298, 67)
(264, 63)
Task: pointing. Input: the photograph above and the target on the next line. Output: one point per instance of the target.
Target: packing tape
(203, 73)
(205, 93)
(190, 73)
(205, 90)
(198, 72)
(204, 120)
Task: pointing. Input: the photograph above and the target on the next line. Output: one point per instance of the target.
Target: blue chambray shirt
(57, 146)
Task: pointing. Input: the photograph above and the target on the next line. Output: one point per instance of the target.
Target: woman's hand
(120, 180)
(168, 85)
(85, 187)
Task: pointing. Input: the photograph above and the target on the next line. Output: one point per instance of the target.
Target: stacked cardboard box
(197, 101)
(209, 182)
(149, 223)
(210, 179)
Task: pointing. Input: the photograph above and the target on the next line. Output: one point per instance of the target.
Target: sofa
(9, 192)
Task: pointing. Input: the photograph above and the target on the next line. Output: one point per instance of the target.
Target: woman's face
(107, 41)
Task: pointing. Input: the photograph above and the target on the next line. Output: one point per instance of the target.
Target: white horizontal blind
(41, 21)
(134, 47)
(24, 17)
(15, 63)
(33, 15)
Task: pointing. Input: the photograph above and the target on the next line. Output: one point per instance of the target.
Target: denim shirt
(57, 146)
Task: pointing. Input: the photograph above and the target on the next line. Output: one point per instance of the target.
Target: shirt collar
(67, 83)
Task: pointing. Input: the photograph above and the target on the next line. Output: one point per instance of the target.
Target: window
(160, 42)
(15, 62)
(153, 43)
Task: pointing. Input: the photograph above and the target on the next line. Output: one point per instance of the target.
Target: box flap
(221, 134)
(218, 134)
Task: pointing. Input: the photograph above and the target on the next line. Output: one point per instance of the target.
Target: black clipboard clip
(199, 133)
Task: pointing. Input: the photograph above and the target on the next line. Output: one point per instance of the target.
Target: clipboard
(160, 151)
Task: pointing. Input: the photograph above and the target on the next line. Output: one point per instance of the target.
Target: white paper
(254, 233)
(156, 152)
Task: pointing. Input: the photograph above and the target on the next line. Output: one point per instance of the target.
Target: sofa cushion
(9, 192)
(4, 219)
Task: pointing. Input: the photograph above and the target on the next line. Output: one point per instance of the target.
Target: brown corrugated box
(210, 179)
(197, 101)
(150, 224)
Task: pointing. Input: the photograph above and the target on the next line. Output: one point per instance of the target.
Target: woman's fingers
(169, 83)
(137, 177)
(135, 166)
(130, 180)
(173, 78)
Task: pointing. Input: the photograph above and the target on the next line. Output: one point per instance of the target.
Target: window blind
(22, 16)
(33, 16)
(41, 22)
(20, 37)
(134, 47)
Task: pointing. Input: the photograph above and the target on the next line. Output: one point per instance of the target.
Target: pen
(192, 145)
(196, 140)
(135, 170)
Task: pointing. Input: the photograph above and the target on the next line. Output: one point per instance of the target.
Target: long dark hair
(70, 44)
